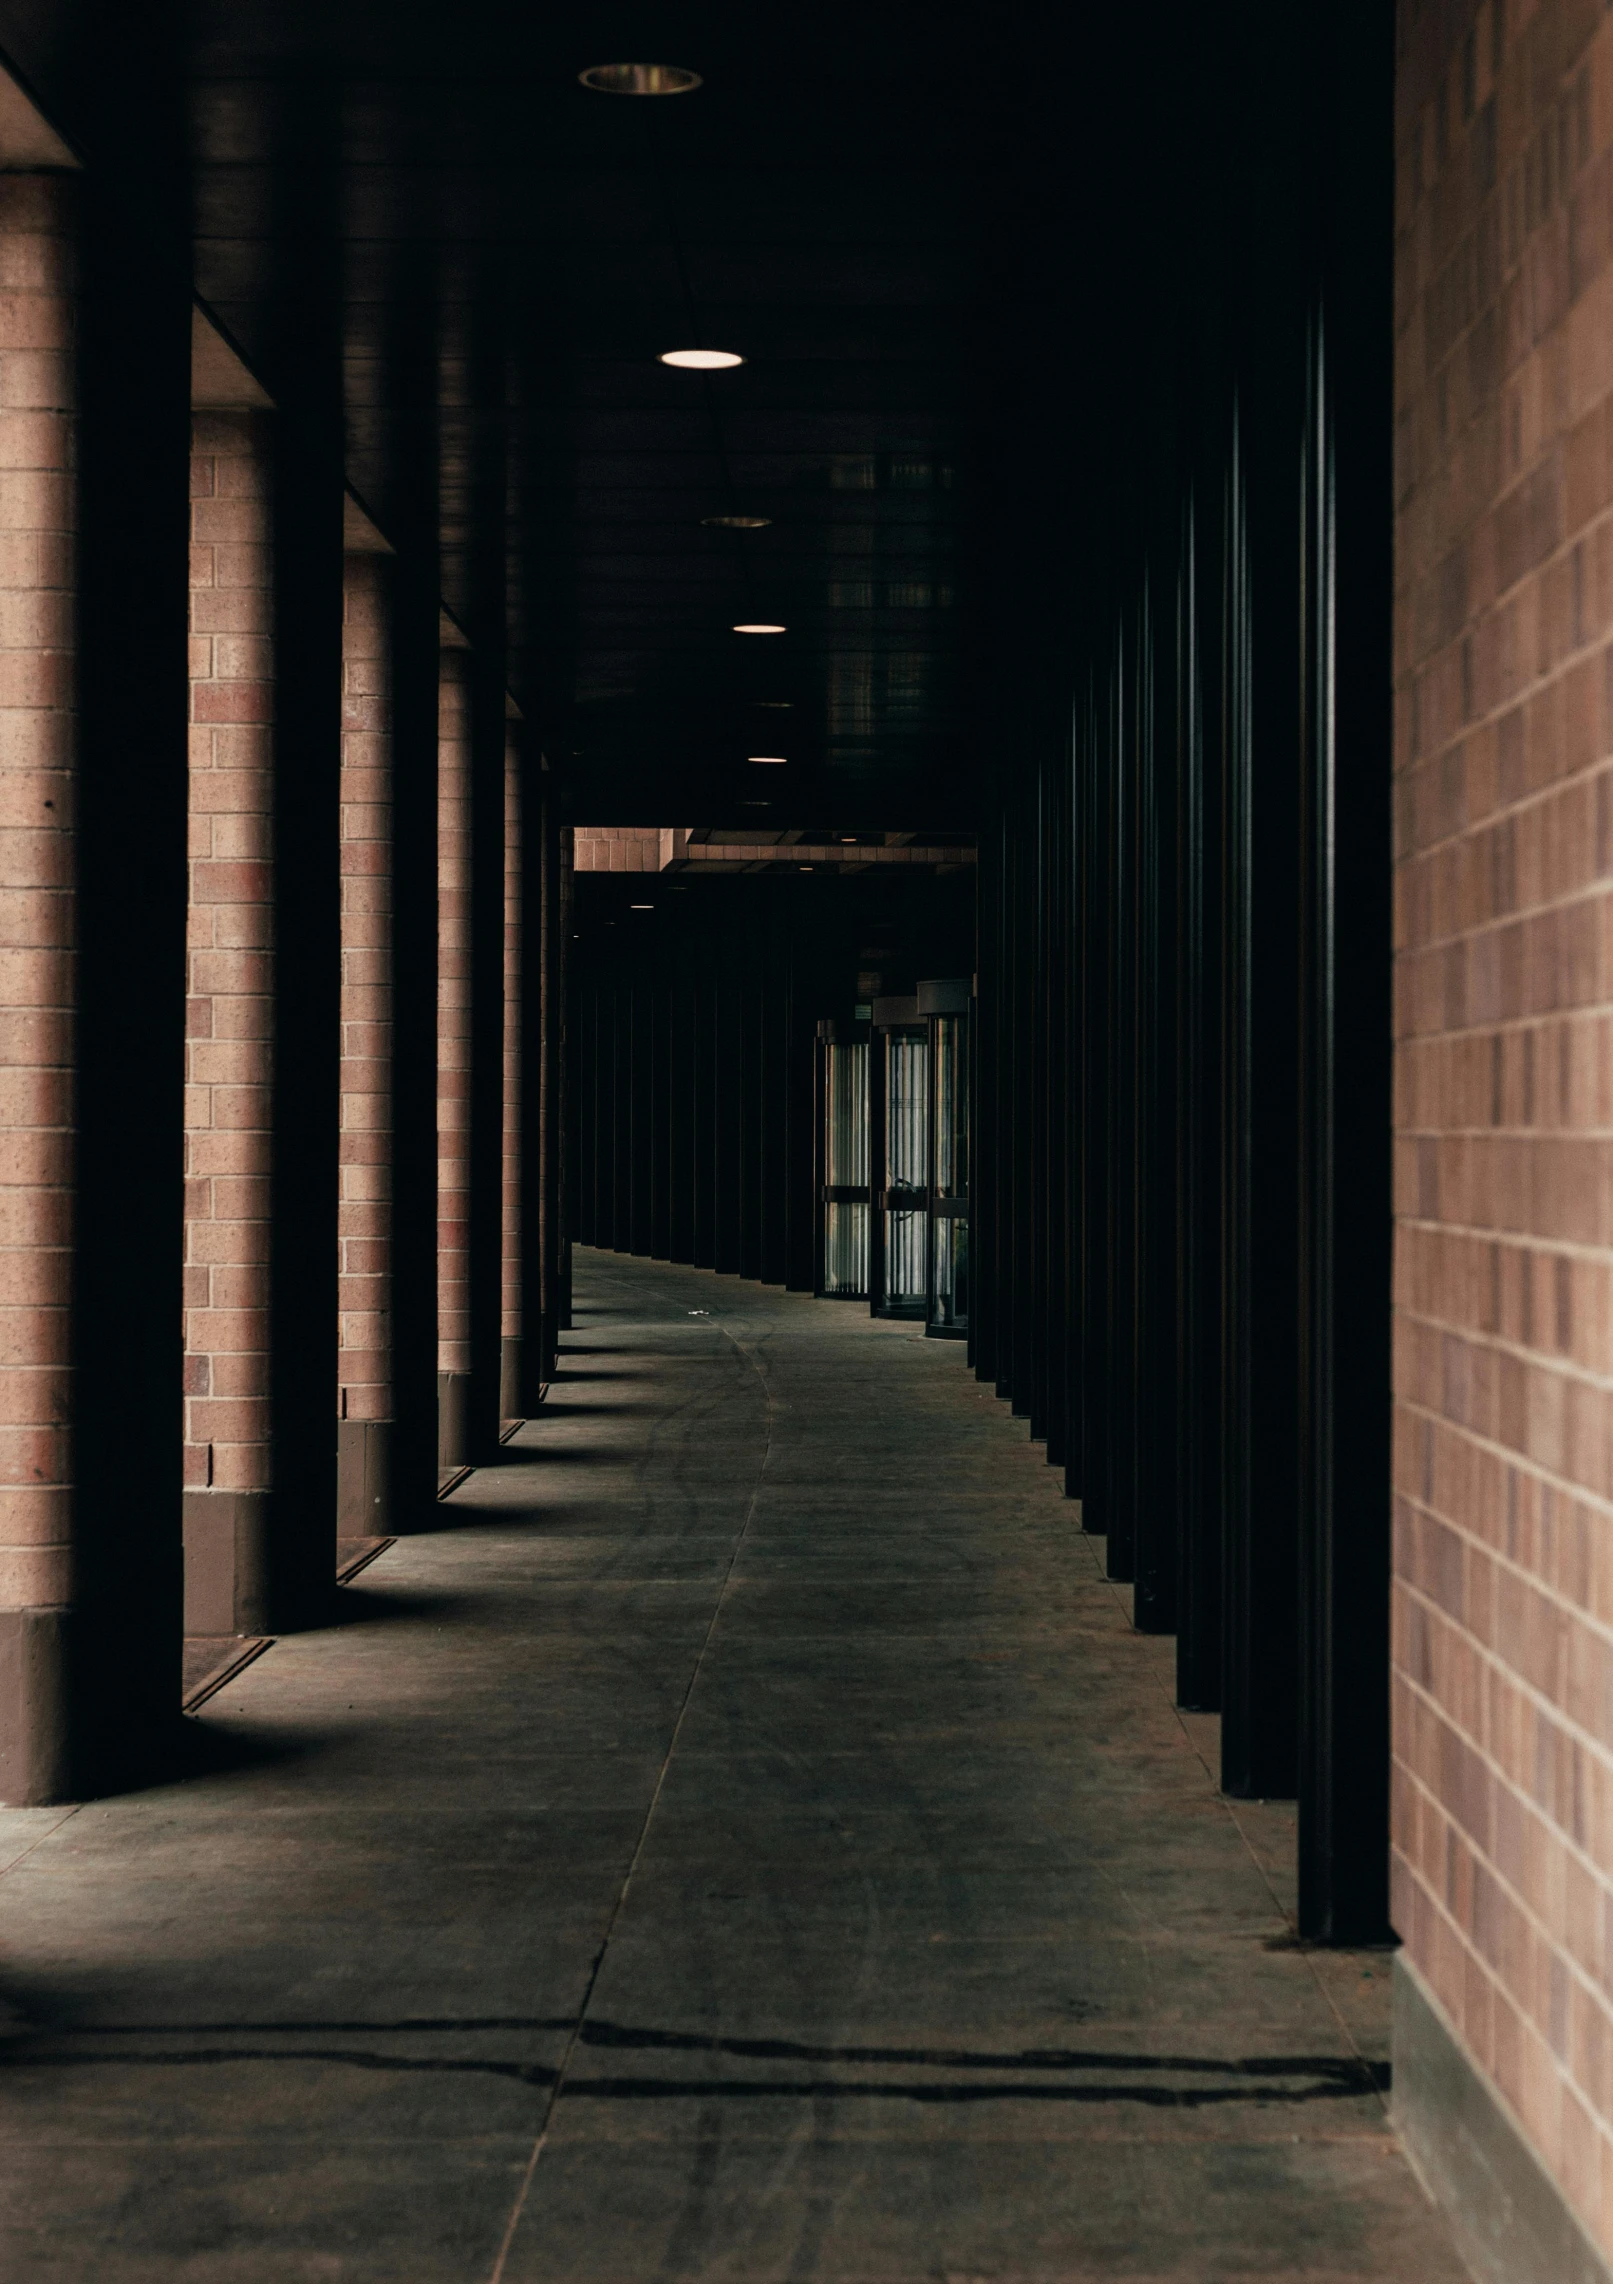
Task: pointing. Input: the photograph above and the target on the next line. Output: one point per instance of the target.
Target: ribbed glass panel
(951, 1108)
(846, 1152)
(907, 1138)
(845, 1250)
(951, 1306)
(904, 1258)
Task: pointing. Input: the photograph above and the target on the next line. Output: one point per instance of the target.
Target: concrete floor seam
(522, 2194)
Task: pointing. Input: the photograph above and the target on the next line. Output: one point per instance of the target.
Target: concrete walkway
(748, 1843)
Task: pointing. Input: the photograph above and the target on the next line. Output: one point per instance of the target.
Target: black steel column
(542, 1023)
(707, 960)
(726, 1049)
(682, 1020)
(1199, 1551)
(660, 1013)
(749, 1011)
(1158, 1135)
(985, 1153)
(1345, 1465)
(1095, 790)
(1121, 1471)
(1260, 1685)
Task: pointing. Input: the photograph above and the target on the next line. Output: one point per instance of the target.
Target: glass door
(948, 1004)
(843, 1088)
(906, 1188)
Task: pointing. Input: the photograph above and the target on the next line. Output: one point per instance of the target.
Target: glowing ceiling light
(701, 360)
(639, 79)
(641, 908)
(757, 626)
(768, 760)
(736, 522)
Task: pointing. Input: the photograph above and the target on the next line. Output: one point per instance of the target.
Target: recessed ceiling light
(736, 522)
(641, 908)
(848, 836)
(803, 868)
(701, 360)
(768, 760)
(781, 705)
(639, 78)
(757, 626)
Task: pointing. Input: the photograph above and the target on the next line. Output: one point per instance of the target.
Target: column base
(34, 1735)
(453, 1419)
(1512, 2223)
(364, 1479)
(227, 1558)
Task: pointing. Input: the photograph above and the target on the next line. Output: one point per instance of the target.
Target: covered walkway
(748, 1841)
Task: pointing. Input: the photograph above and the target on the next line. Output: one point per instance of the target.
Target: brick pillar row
(158, 1176)
(453, 1058)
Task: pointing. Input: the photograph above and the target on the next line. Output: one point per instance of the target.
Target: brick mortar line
(1540, 1474)
(1585, 653)
(1585, 1010)
(1496, 1345)
(1553, 1594)
(1570, 900)
(1525, 1689)
(1476, 1233)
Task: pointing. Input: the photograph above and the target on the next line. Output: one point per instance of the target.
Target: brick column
(364, 1365)
(453, 1056)
(230, 1027)
(38, 755)
(510, 1399)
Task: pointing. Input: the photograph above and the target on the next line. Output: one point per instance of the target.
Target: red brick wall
(453, 1015)
(36, 885)
(1503, 1690)
(230, 951)
(364, 1348)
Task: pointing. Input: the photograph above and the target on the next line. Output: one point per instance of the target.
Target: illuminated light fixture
(757, 626)
(639, 79)
(736, 522)
(849, 837)
(702, 360)
(641, 908)
(803, 868)
(768, 760)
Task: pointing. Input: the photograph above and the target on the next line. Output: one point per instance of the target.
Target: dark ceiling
(422, 209)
